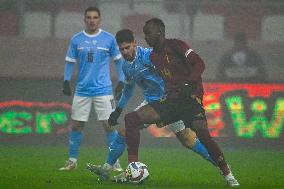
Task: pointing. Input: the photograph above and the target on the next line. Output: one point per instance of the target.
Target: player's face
(128, 50)
(152, 35)
(92, 21)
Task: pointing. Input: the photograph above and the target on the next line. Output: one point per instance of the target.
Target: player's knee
(132, 120)
(77, 125)
(199, 125)
(187, 138)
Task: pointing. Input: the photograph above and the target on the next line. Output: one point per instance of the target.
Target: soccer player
(181, 69)
(92, 50)
(139, 70)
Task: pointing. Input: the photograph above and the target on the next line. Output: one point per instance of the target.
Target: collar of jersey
(92, 35)
(134, 58)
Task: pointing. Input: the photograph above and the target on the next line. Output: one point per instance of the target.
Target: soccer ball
(137, 172)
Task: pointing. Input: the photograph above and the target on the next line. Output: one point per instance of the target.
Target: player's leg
(158, 112)
(103, 106)
(188, 138)
(134, 121)
(200, 127)
(194, 117)
(151, 113)
(81, 108)
(116, 149)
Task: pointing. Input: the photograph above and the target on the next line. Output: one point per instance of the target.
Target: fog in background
(34, 34)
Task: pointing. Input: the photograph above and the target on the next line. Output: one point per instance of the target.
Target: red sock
(213, 148)
(132, 135)
(132, 158)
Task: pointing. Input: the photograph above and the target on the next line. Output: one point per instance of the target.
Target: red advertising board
(238, 110)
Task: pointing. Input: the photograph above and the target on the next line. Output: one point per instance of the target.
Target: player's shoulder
(143, 55)
(144, 51)
(176, 42)
(77, 36)
(107, 34)
(178, 45)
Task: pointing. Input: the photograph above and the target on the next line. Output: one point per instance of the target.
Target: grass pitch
(37, 167)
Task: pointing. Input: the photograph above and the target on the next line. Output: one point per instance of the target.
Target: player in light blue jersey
(91, 51)
(139, 70)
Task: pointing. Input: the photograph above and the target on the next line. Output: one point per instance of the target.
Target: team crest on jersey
(94, 42)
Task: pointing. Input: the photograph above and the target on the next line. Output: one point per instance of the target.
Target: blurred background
(241, 42)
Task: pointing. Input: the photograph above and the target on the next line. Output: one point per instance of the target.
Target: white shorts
(81, 107)
(174, 127)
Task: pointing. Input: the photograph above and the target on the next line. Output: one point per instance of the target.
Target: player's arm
(120, 74)
(196, 66)
(68, 72)
(118, 60)
(69, 67)
(196, 63)
(118, 67)
(127, 92)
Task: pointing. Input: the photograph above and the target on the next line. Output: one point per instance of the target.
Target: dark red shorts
(172, 110)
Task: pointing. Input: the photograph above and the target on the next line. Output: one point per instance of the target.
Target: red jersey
(178, 64)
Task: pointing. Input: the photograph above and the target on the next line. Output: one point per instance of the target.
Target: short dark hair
(124, 35)
(93, 9)
(156, 22)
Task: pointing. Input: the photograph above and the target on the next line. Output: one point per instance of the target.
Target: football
(137, 172)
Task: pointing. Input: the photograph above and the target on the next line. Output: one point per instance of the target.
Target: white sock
(229, 176)
(73, 160)
(107, 166)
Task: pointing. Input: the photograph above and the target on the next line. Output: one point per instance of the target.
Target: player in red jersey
(181, 69)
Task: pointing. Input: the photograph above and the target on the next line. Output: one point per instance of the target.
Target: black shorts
(187, 110)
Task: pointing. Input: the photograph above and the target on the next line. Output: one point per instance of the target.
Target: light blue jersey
(141, 72)
(93, 54)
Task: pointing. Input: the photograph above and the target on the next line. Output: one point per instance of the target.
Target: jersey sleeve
(181, 47)
(146, 56)
(69, 68)
(115, 54)
(196, 63)
(72, 53)
(127, 91)
(118, 68)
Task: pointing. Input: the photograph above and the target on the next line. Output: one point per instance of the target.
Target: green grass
(37, 167)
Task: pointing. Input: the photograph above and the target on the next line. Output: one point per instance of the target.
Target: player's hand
(186, 90)
(112, 120)
(66, 88)
(118, 90)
